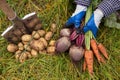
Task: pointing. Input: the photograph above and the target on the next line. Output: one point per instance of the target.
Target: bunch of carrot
(96, 49)
(92, 48)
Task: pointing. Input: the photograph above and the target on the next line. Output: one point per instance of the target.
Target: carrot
(84, 65)
(102, 49)
(96, 51)
(89, 60)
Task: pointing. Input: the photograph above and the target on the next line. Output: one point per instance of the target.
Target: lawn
(59, 67)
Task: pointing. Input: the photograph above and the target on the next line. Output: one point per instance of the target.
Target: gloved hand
(21, 26)
(94, 22)
(77, 16)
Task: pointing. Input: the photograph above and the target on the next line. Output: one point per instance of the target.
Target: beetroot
(63, 44)
(76, 53)
(65, 32)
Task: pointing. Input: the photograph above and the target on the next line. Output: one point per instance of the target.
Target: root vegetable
(53, 27)
(20, 46)
(96, 51)
(63, 44)
(34, 53)
(23, 57)
(76, 53)
(27, 47)
(41, 32)
(48, 35)
(29, 55)
(51, 50)
(89, 61)
(37, 45)
(26, 37)
(52, 43)
(17, 54)
(12, 47)
(35, 35)
(103, 50)
(44, 41)
(65, 32)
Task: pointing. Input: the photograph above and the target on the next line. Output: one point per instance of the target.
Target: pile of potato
(39, 41)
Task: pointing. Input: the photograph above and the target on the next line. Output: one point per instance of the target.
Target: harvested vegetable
(63, 44)
(65, 32)
(51, 50)
(41, 33)
(23, 57)
(26, 37)
(17, 54)
(96, 51)
(89, 60)
(20, 46)
(27, 47)
(103, 50)
(53, 27)
(76, 53)
(37, 45)
(48, 35)
(84, 65)
(52, 43)
(12, 48)
(35, 35)
(34, 53)
(44, 41)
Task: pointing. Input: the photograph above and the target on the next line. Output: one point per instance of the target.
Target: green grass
(59, 67)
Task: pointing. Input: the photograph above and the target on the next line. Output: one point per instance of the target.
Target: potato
(34, 53)
(26, 37)
(17, 54)
(44, 41)
(29, 55)
(20, 46)
(12, 47)
(23, 57)
(51, 50)
(37, 45)
(52, 43)
(53, 27)
(48, 35)
(35, 35)
(38, 26)
(27, 47)
(41, 32)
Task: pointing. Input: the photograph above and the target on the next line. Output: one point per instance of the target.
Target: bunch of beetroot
(72, 42)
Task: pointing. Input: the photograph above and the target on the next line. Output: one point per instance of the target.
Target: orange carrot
(84, 65)
(102, 49)
(89, 60)
(96, 51)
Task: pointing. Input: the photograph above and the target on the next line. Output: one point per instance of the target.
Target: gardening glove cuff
(94, 22)
(77, 16)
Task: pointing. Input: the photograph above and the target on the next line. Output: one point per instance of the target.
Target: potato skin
(41, 33)
(12, 48)
(48, 35)
(26, 37)
(37, 45)
(51, 49)
(35, 35)
(34, 53)
(52, 43)
(44, 41)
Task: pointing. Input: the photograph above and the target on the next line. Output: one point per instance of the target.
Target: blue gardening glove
(94, 22)
(77, 16)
